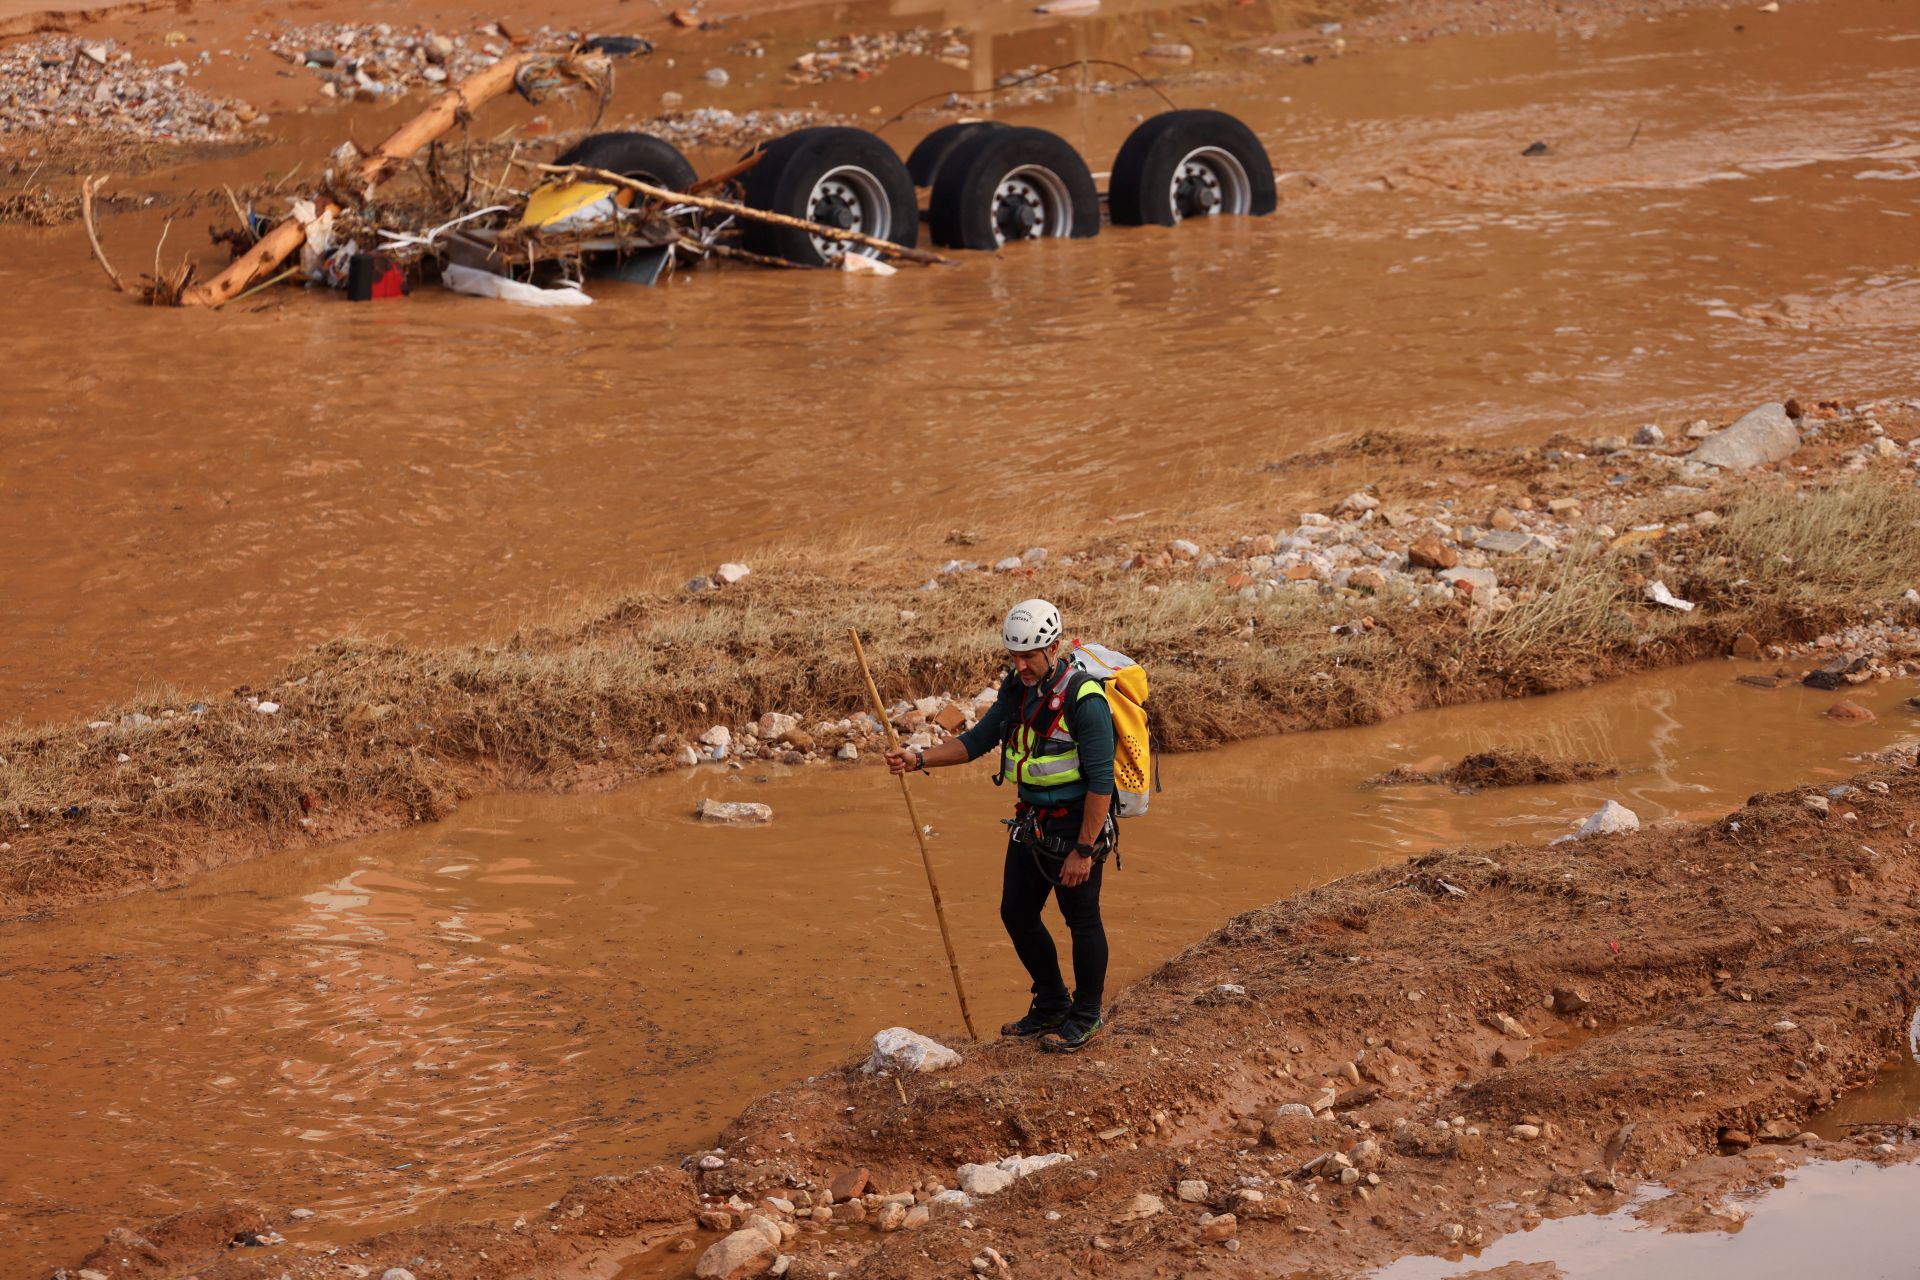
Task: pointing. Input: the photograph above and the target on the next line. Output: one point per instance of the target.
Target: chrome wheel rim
(1209, 182)
(851, 199)
(1031, 203)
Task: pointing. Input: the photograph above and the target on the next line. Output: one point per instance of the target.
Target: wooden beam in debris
(286, 237)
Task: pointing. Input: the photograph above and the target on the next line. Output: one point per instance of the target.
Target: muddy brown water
(461, 1020)
(1726, 214)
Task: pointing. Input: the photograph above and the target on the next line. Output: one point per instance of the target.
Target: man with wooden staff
(1054, 729)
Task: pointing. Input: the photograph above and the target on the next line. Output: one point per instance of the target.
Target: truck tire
(633, 155)
(847, 178)
(925, 161)
(1003, 185)
(1190, 164)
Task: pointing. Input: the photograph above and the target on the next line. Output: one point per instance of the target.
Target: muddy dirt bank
(1515, 571)
(1412, 1060)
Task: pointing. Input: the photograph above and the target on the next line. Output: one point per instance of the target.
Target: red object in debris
(374, 275)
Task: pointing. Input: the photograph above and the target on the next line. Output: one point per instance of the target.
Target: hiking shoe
(1037, 1022)
(1073, 1034)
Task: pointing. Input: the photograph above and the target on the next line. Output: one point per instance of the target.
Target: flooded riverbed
(1725, 213)
(460, 1020)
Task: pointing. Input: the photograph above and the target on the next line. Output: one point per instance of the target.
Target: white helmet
(1031, 624)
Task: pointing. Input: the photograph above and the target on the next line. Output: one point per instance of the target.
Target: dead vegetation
(1486, 770)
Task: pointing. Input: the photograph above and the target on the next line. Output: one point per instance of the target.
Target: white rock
(859, 264)
(718, 736)
(898, 1049)
(847, 751)
(1192, 1191)
(686, 756)
(1765, 435)
(774, 724)
(762, 1225)
(737, 813)
(1608, 819)
(1359, 500)
(716, 76)
(1183, 548)
(731, 573)
(984, 1179)
(396, 1273)
(1650, 434)
(736, 1256)
(1007, 565)
(268, 708)
(1141, 1206)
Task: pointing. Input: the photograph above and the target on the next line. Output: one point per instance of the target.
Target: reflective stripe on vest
(1052, 761)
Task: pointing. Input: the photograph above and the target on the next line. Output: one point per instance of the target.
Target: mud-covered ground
(1411, 1060)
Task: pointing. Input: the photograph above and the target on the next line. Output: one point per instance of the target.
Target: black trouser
(1023, 892)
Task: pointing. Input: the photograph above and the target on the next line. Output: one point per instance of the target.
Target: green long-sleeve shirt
(1090, 719)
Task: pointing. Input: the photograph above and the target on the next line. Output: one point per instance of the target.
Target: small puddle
(1833, 1218)
(460, 1020)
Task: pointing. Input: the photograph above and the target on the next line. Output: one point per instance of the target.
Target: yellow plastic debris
(556, 202)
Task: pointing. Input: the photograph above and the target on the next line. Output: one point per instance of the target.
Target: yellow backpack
(1125, 683)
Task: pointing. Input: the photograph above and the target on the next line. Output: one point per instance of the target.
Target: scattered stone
(730, 573)
(1819, 804)
(1563, 506)
(1511, 1055)
(1218, 1226)
(1649, 435)
(1849, 710)
(1479, 582)
(1745, 646)
(898, 1049)
(1608, 819)
(1358, 502)
(1192, 1191)
(742, 1254)
(848, 1183)
(1738, 1139)
(892, 1216)
(738, 813)
(1428, 552)
(302, 1215)
(1569, 1000)
(1525, 1132)
(714, 1220)
(1762, 436)
(1140, 1207)
(984, 1179)
(716, 76)
(268, 708)
(847, 751)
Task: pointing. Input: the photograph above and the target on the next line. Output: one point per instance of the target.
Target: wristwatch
(1084, 849)
(920, 760)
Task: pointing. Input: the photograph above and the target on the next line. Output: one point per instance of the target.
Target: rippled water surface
(1727, 211)
(464, 1018)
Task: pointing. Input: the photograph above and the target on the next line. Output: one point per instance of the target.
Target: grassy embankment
(372, 735)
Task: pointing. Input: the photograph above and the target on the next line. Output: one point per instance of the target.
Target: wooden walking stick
(920, 834)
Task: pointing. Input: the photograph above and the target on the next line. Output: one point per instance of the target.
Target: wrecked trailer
(629, 206)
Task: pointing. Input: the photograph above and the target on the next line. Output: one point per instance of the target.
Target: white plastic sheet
(484, 284)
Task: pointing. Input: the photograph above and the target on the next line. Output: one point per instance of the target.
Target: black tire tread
(633, 155)
(790, 165)
(958, 213)
(1137, 191)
